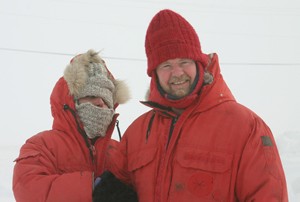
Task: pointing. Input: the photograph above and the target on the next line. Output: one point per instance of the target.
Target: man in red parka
(196, 143)
(61, 164)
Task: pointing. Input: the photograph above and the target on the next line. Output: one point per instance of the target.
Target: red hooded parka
(216, 150)
(60, 165)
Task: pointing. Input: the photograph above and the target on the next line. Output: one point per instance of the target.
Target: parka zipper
(162, 162)
(91, 147)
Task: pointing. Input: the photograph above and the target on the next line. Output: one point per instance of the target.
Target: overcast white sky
(257, 42)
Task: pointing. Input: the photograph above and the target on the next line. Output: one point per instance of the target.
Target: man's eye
(165, 66)
(185, 62)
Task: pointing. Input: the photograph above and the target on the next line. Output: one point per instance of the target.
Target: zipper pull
(94, 152)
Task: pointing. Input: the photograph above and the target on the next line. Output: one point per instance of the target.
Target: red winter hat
(170, 36)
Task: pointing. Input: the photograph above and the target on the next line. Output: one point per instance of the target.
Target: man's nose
(177, 70)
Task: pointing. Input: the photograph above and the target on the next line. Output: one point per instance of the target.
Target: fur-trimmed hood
(67, 88)
(88, 65)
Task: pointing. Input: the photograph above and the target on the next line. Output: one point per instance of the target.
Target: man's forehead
(176, 60)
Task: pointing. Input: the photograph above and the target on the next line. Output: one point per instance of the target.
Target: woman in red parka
(197, 143)
(61, 164)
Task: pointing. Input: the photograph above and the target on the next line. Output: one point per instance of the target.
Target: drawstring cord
(149, 126)
(119, 132)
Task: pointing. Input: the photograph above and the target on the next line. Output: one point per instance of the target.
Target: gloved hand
(97, 181)
(110, 189)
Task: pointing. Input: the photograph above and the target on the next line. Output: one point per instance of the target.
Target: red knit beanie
(170, 36)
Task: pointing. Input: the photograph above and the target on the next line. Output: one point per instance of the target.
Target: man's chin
(179, 94)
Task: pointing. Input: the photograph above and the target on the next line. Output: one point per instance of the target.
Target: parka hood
(60, 100)
(76, 77)
(207, 96)
(88, 75)
(216, 92)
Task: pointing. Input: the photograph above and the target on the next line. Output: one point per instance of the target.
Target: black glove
(110, 189)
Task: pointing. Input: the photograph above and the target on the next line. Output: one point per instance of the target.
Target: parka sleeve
(116, 160)
(37, 178)
(261, 175)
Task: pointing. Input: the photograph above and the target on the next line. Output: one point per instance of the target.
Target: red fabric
(170, 36)
(215, 152)
(55, 165)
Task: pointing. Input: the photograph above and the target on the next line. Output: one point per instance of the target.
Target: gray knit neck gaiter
(95, 119)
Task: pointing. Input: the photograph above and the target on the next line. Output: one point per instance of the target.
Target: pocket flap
(140, 158)
(204, 160)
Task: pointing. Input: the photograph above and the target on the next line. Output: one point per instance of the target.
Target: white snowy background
(258, 43)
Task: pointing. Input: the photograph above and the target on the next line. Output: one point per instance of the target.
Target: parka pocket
(27, 155)
(140, 159)
(200, 174)
(143, 168)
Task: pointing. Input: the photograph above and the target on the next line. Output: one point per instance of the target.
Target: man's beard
(179, 92)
